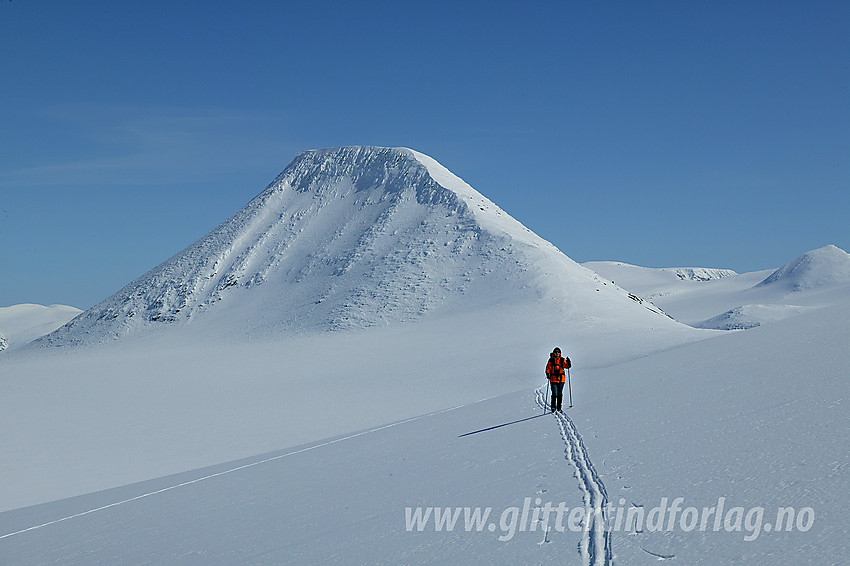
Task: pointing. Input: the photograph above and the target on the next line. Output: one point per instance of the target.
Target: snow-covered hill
(641, 279)
(724, 300)
(824, 267)
(356, 237)
(20, 324)
(750, 316)
(697, 449)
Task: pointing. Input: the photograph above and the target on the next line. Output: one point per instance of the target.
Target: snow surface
(21, 324)
(646, 278)
(750, 316)
(234, 417)
(741, 416)
(725, 300)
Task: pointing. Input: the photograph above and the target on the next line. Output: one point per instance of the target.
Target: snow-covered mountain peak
(826, 266)
(382, 172)
(487, 213)
(353, 237)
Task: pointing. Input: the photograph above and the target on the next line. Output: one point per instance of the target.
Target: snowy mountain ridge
(354, 237)
(613, 268)
(700, 273)
(817, 278)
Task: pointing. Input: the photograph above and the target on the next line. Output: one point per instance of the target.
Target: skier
(555, 372)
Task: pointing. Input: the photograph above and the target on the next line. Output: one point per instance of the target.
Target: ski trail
(595, 544)
(237, 469)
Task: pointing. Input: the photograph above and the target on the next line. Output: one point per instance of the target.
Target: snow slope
(645, 280)
(750, 316)
(86, 419)
(725, 300)
(754, 418)
(825, 267)
(20, 324)
(355, 237)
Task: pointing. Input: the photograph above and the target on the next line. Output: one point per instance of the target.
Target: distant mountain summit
(826, 266)
(353, 237)
(617, 270)
(20, 324)
(700, 273)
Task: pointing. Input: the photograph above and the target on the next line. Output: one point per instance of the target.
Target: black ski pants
(557, 395)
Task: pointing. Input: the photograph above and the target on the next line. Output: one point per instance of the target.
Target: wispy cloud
(126, 145)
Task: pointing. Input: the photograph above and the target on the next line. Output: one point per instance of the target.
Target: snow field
(368, 336)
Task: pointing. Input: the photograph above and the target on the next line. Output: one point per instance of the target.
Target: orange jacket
(556, 369)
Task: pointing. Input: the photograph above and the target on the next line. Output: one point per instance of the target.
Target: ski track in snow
(595, 544)
(232, 470)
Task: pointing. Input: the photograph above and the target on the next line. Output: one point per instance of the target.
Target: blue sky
(659, 133)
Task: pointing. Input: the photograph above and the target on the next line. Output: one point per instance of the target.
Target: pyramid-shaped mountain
(355, 237)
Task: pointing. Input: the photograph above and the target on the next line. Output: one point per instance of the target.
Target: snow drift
(356, 237)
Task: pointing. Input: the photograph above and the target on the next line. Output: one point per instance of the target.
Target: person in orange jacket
(556, 373)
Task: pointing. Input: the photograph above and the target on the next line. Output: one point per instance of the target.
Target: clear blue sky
(659, 133)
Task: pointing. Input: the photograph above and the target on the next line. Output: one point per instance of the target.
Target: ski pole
(570, 385)
(546, 404)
